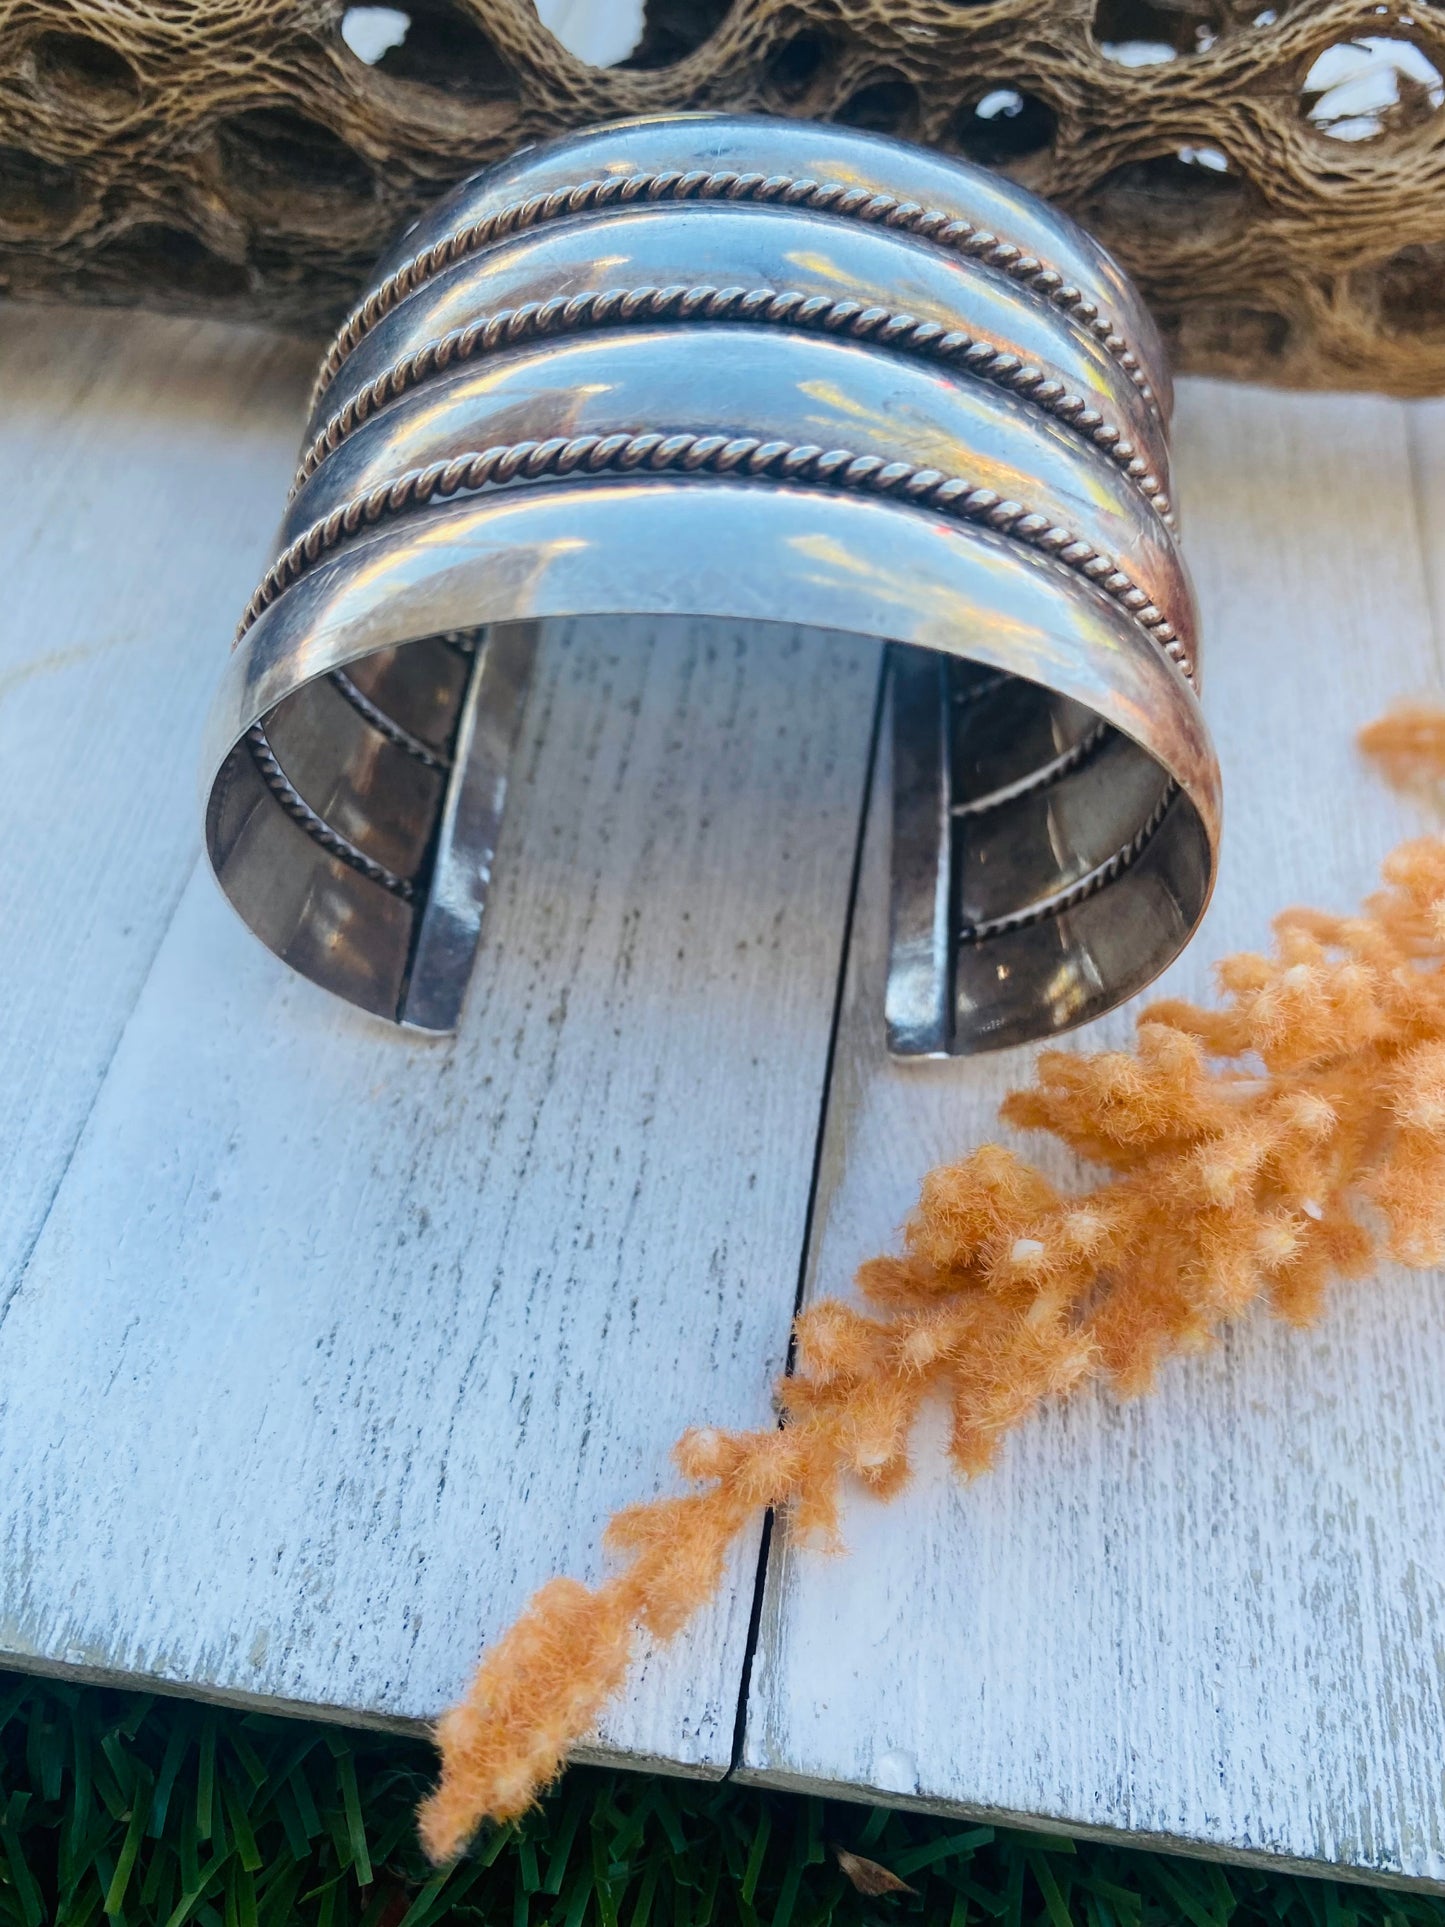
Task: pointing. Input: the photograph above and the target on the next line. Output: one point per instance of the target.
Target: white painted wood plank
(141, 464)
(1425, 426)
(338, 1342)
(1215, 1618)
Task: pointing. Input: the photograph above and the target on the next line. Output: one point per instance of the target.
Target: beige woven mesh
(237, 157)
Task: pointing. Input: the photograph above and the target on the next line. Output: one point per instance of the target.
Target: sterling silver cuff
(767, 372)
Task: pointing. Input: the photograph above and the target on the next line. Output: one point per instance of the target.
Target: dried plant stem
(1252, 1153)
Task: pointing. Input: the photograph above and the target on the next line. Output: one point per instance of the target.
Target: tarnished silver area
(762, 372)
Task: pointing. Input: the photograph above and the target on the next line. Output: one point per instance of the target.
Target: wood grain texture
(320, 1347)
(126, 544)
(1215, 1618)
(1425, 424)
(337, 1342)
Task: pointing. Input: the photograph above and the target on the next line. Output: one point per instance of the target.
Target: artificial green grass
(156, 1812)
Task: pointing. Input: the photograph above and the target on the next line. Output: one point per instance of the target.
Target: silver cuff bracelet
(769, 372)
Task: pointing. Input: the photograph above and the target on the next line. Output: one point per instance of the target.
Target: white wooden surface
(1425, 424)
(335, 1344)
(124, 540)
(319, 1348)
(1215, 1618)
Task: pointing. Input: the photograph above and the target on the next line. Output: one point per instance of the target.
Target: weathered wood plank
(336, 1342)
(141, 464)
(1425, 427)
(1215, 1618)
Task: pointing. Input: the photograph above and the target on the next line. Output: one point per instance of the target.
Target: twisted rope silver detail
(1086, 886)
(614, 307)
(975, 692)
(1042, 778)
(386, 725)
(316, 827)
(744, 457)
(825, 197)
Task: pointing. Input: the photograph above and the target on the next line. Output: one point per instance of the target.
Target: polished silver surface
(922, 937)
(761, 267)
(857, 176)
(760, 372)
(468, 828)
(806, 391)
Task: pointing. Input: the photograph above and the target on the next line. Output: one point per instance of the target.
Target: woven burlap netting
(236, 157)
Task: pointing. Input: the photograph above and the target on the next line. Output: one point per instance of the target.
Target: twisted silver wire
(316, 827)
(743, 457)
(386, 725)
(1085, 887)
(770, 307)
(1043, 778)
(835, 198)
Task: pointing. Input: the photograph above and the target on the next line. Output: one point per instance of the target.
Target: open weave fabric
(1274, 176)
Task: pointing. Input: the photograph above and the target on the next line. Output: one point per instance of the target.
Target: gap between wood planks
(845, 947)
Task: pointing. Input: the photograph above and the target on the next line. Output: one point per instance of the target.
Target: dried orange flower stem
(1253, 1153)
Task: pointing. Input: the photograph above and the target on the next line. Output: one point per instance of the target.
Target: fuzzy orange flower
(1251, 1153)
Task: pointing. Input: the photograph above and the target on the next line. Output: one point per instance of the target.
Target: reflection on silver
(763, 372)
(471, 820)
